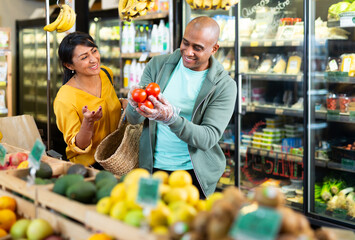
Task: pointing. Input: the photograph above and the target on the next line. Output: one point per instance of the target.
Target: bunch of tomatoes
(141, 95)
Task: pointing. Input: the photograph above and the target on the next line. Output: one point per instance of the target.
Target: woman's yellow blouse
(68, 106)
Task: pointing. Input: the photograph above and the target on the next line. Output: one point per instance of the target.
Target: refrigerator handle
(239, 86)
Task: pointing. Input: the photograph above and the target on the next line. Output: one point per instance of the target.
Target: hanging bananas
(129, 9)
(65, 20)
(211, 4)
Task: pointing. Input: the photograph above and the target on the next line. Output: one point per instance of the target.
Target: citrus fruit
(159, 215)
(185, 213)
(39, 229)
(104, 205)
(134, 218)
(7, 219)
(133, 177)
(3, 233)
(118, 210)
(7, 202)
(131, 198)
(180, 178)
(23, 164)
(163, 176)
(160, 230)
(100, 236)
(19, 228)
(193, 195)
(176, 205)
(212, 198)
(175, 195)
(118, 193)
(200, 205)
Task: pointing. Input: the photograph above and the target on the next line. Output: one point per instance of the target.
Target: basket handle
(122, 119)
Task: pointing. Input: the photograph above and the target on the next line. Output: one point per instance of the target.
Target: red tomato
(153, 89)
(146, 103)
(139, 95)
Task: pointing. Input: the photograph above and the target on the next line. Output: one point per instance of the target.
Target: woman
(86, 106)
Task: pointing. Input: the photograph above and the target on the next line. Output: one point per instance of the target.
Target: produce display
(340, 7)
(15, 160)
(129, 9)
(212, 4)
(64, 21)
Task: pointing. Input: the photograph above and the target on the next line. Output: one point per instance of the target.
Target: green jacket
(211, 114)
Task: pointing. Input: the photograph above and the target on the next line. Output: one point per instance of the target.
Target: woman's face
(86, 60)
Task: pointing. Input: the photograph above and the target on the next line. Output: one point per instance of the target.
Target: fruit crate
(13, 179)
(68, 229)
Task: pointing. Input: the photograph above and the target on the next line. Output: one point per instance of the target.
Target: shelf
(339, 79)
(138, 55)
(271, 43)
(335, 166)
(341, 117)
(153, 15)
(227, 146)
(273, 77)
(273, 154)
(269, 109)
(226, 44)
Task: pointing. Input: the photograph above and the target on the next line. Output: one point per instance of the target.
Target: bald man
(194, 108)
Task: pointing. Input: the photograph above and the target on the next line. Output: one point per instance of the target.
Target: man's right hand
(131, 102)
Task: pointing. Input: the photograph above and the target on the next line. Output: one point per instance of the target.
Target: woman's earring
(72, 71)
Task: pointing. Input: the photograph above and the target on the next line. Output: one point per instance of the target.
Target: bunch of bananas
(65, 20)
(129, 9)
(212, 4)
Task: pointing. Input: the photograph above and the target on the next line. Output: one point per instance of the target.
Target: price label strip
(148, 192)
(255, 222)
(2, 155)
(36, 154)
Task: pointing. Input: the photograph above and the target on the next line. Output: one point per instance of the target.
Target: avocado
(106, 181)
(105, 191)
(82, 191)
(103, 174)
(39, 181)
(65, 181)
(78, 169)
(44, 171)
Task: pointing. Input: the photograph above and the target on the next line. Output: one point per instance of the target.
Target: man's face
(196, 48)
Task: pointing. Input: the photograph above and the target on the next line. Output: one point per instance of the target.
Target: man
(189, 120)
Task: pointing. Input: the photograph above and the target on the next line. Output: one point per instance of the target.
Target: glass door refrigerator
(226, 56)
(270, 121)
(331, 113)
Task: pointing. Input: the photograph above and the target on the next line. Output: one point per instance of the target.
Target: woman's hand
(92, 116)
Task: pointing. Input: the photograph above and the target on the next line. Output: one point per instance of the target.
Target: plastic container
(257, 139)
(277, 147)
(332, 100)
(258, 134)
(344, 103)
(247, 142)
(266, 146)
(272, 136)
(272, 131)
(256, 144)
(271, 141)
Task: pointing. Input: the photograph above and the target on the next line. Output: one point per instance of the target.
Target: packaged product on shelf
(244, 65)
(348, 64)
(344, 103)
(266, 64)
(228, 60)
(126, 73)
(332, 101)
(264, 19)
(246, 26)
(294, 63)
(280, 65)
(333, 64)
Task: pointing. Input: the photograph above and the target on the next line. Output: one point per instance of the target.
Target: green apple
(18, 230)
(39, 229)
(134, 218)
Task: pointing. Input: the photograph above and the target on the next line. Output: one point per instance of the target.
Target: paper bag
(20, 131)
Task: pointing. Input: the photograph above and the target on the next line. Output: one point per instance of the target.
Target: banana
(190, 2)
(124, 12)
(216, 4)
(139, 6)
(121, 5)
(143, 12)
(198, 4)
(225, 4)
(53, 26)
(65, 18)
(207, 4)
(70, 23)
(150, 5)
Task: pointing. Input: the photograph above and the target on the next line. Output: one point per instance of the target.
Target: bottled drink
(131, 38)
(166, 39)
(161, 31)
(144, 38)
(126, 73)
(149, 37)
(132, 74)
(124, 44)
(154, 39)
(137, 40)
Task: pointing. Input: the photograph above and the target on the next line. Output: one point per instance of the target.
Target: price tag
(254, 44)
(347, 163)
(148, 192)
(143, 57)
(2, 155)
(295, 43)
(36, 154)
(280, 43)
(255, 222)
(279, 111)
(250, 108)
(267, 43)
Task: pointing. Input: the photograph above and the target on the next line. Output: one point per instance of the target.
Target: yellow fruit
(212, 198)
(132, 178)
(193, 195)
(131, 198)
(175, 195)
(164, 189)
(160, 230)
(174, 206)
(3, 233)
(201, 205)
(185, 213)
(104, 205)
(159, 215)
(118, 193)
(0, 136)
(23, 164)
(118, 210)
(100, 236)
(180, 178)
(7, 202)
(7, 219)
(163, 176)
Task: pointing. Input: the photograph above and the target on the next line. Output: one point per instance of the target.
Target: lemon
(186, 213)
(118, 193)
(160, 230)
(159, 215)
(131, 197)
(134, 218)
(175, 195)
(212, 198)
(100, 236)
(23, 164)
(163, 190)
(180, 178)
(201, 205)
(118, 210)
(193, 195)
(163, 176)
(132, 178)
(104, 205)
